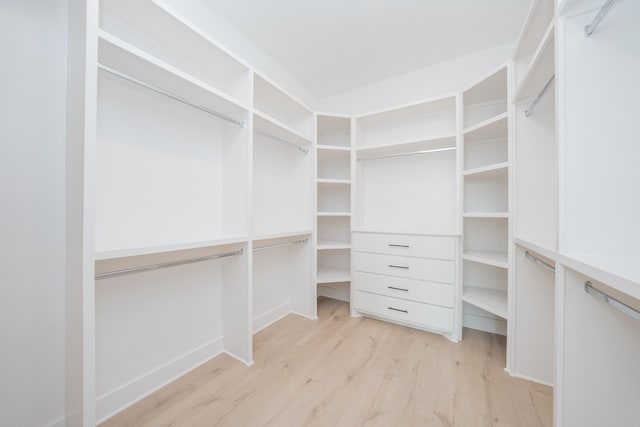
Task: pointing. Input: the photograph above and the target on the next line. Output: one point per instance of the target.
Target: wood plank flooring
(343, 371)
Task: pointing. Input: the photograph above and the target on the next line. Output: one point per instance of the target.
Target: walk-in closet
(392, 213)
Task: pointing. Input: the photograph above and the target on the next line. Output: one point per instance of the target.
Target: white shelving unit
(486, 207)
(333, 206)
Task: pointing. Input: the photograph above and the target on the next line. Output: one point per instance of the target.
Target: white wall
(32, 174)
(440, 79)
(204, 16)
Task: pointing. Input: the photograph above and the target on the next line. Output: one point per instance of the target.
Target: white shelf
(490, 300)
(433, 143)
(272, 127)
(538, 245)
(333, 213)
(129, 252)
(281, 235)
(324, 245)
(494, 258)
(333, 181)
(486, 215)
(332, 275)
(333, 148)
(540, 69)
(492, 128)
(388, 231)
(490, 169)
(127, 59)
(619, 272)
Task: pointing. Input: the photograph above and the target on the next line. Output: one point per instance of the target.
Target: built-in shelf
(149, 250)
(486, 214)
(403, 232)
(491, 300)
(332, 275)
(619, 272)
(541, 68)
(333, 148)
(489, 169)
(333, 213)
(325, 245)
(327, 181)
(269, 126)
(492, 128)
(432, 143)
(541, 245)
(281, 235)
(494, 258)
(133, 62)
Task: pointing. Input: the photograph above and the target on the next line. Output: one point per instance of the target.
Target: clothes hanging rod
(408, 154)
(304, 150)
(535, 102)
(618, 305)
(110, 70)
(540, 262)
(279, 245)
(589, 29)
(126, 271)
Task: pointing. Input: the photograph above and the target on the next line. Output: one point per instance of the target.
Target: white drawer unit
(409, 289)
(403, 311)
(406, 278)
(436, 247)
(409, 267)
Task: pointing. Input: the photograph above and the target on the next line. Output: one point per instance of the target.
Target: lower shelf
(332, 275)
(339, 291)
(490, 300)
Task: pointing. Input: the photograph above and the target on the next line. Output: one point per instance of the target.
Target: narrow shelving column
(486, 204)
(333, 206)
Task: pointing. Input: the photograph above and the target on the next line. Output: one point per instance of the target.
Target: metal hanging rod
(540, 262)
(279, 245)
(304, 150)
(126, 271)
(110, 70)
(408, 154)
(535, 102)
(618, 305)
(589, 29)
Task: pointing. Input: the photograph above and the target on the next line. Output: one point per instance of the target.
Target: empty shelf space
(492, 128)
(333, 148)
(269, 126)
(149, 70)
(333, 245)
(486, 215)
(541, 68)
(332, 275)
(494, 258)
(328, 181)
(435, 143)
(489, 169)
(491, 300)
(333, 213)
(149, 250)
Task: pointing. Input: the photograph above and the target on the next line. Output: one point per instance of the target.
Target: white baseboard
(527, 378)
(119, 399)
(271, 316)
(339, 294)
(494, 326)
(60, 422)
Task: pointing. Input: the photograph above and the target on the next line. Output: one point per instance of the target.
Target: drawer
(411, 268)
(437, 247)
(410, 289)
(419, 314)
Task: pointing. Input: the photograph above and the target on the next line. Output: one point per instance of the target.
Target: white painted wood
(262, 123)
(487, 192)
(406, 312)
(491, 300)
(407, 267)
(327, 274)
(333, 197)
(541, 68)
(340, 291)
(333, 131)
(493, 258)
(476, 318)
(435, 247)
(412, 290)
(486, 235)
(333, 164)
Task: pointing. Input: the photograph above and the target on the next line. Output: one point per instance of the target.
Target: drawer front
(425, 315)
(410, 268)
(410, 289)
(436, 247)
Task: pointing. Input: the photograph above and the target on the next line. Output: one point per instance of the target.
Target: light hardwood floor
(343, 371)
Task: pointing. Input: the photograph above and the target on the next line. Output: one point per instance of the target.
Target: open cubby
(334, 164)
(487, 192)
(486, 240)
(334, 131)
(486, 100)
(334, 197)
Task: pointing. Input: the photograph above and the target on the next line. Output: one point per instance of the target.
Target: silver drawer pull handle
(398, 266)
(398, 289)
(397, 309)
(391, 245)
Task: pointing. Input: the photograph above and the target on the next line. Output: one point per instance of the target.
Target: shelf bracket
(589, 29)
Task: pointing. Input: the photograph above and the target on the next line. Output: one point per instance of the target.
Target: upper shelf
(435, 143)
(127, 59)
(334, 131)
(492, 128)
(541, 67)
(269, 126)
(540, 16)
(162, 33)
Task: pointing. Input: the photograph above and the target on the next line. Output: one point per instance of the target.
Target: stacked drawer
(406, 279)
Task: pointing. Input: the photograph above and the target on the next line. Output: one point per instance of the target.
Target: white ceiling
(333, 46)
